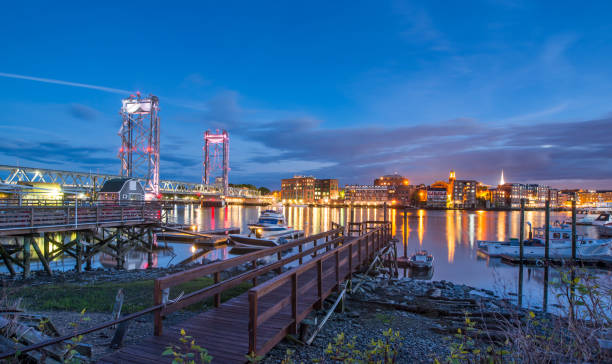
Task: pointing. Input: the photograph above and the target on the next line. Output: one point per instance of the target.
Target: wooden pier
(255, 321)
(80, 230)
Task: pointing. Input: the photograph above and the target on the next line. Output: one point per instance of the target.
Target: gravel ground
(419, 343)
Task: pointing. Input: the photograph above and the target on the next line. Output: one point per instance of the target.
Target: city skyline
(330, 90)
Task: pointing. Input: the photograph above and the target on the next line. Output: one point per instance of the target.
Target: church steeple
(502, 181)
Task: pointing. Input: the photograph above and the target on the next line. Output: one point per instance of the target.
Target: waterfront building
(299, 189)
(326, 190)
(462, 192)
(392, 180)
(436, 197)
(509, 195)
(593, 198)
(121, 189)
(402, 194)
(366, 194)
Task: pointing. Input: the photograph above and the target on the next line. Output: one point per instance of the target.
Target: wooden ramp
(224, 331)
(260, 318)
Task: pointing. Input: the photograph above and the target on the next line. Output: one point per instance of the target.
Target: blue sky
(332, 89)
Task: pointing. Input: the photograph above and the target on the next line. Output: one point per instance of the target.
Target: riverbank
(423, 313)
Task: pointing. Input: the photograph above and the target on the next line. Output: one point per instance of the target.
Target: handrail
(217, 288)
(161, 306)
(374, 241)
(162, 285)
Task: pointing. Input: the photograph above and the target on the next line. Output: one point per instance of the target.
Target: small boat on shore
(421, 260)
(270, 230)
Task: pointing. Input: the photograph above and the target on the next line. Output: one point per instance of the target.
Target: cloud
(82, 112)
(425, 152)
(51, 154)
(195, 80)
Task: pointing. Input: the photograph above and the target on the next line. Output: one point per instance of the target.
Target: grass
(100, 297)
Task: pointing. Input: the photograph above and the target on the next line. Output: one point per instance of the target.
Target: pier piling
(547, 229)
(574, 230)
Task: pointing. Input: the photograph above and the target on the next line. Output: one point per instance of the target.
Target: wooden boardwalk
(260, 318)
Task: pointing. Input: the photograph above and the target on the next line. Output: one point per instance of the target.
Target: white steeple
(501, 181)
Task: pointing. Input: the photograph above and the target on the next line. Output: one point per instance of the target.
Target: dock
(600, 261)
(208, 238)
(255, 321)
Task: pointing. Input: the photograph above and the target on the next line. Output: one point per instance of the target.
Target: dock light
(193, 248)
(193, 227)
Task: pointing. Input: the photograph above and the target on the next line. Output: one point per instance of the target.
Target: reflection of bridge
(91, 182)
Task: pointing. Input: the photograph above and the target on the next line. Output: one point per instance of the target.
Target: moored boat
(421, 260)
(269, 230)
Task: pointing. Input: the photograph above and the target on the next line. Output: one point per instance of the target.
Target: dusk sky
(348, 90)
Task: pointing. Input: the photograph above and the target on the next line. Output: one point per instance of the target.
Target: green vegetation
(188, 352)
(262, 190)
(384, 350)
(571, 337)
(100, 297)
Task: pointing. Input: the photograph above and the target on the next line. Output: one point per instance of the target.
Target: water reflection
(450, 235)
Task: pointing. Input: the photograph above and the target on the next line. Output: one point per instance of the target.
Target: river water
(450, 235)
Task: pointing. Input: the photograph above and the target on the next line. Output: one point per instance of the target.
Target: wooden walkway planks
(224, 330)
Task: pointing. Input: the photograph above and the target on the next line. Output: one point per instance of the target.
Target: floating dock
(208, 238)
(602, 261)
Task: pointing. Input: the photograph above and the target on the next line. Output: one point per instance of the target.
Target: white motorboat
(269, 230)
(557, 232)
(421, 260)
(587, 217)
(602, 223)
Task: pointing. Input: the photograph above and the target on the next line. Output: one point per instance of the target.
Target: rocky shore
(425, 313)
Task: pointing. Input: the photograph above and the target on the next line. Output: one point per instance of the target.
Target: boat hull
(539, 251)
(250, 242)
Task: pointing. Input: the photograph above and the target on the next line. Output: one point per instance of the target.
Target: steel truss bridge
(89, 182)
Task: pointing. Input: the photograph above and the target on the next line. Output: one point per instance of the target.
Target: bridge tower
(139, 132)
(216, 157)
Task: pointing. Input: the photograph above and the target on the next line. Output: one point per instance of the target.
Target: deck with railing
(255, 321)
(37, 218)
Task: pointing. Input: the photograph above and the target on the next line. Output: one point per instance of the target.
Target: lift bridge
(89, 183)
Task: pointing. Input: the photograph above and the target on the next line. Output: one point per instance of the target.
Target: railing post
(279, 257)
(319, 304)
(218, 295)
(32, 217)
(294, 304)
(337, 271)
(254, 264)
(350, 257)
(252, 322)
(367, 247)
(327, 240)
(300, 251)
(359, 252)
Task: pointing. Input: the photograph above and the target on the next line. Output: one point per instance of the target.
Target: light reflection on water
(450, 235)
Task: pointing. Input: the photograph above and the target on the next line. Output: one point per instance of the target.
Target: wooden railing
(162, 285)
(341, 263)
(15, 218)
(360, 250)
